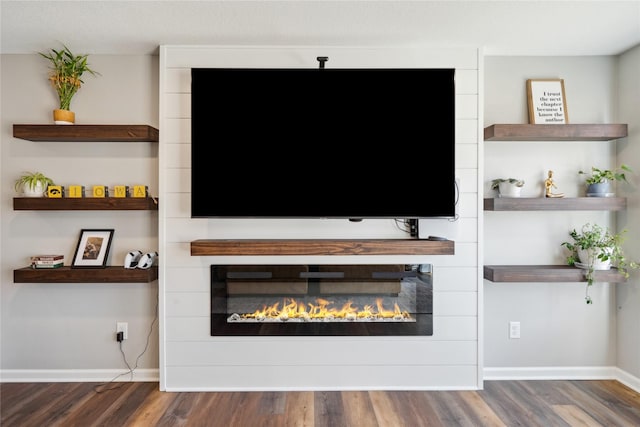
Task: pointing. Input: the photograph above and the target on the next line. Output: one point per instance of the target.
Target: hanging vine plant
(593, 245)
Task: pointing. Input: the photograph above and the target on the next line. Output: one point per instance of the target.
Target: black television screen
(322, 143)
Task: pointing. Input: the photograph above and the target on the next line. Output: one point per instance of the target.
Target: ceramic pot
(586, 255)
(508, 189)
(602, 189)
(37, 191)
(64, 117)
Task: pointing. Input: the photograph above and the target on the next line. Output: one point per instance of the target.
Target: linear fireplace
(320, 300)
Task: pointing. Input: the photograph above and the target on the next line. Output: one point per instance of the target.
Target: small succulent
(496, 182)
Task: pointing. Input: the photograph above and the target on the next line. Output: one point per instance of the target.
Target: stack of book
(47, 261)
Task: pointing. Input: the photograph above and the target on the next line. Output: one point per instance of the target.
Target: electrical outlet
(124, 328)
(514, 330)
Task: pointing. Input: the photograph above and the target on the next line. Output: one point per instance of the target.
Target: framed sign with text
(547, 102)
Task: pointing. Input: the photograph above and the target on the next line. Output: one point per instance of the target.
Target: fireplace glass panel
(380, 299)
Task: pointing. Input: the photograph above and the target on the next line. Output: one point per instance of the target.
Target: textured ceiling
(508, 28)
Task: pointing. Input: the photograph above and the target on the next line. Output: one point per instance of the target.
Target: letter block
(54, 191)
(140, 191)
(100, 191)
(120, 191)
(76, 191)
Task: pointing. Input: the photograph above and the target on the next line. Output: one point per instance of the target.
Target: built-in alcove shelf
(207, 247)
(85, 204)
(547, 273)
(555, 204)
(113, 274)
(86, 133)
(568, 132)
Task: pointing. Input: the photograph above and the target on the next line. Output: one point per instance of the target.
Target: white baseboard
(628, 379)
(77, 375)
(563, 373)
(490, 374)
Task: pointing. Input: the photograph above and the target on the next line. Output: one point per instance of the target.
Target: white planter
(586, 255)
(507, 189)
(37, 191)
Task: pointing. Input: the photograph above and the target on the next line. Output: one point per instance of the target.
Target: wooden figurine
(549, 185)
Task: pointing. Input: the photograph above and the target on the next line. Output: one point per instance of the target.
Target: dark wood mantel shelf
(207, 247)
(568, 132)
(113, 274)
(86, 133)
(85, 204)
(547, 273)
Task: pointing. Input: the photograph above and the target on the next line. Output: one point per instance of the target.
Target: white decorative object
(590, 257)
(36, 191)
(508, 189)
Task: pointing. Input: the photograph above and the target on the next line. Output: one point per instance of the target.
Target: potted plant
(596, 248)
(65, 76)
(32, 184)
(507, 187)
(599, 180)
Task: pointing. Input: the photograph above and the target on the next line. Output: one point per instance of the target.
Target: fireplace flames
(322, 311)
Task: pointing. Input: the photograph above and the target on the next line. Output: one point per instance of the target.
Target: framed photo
(547, 103)
(93, 249)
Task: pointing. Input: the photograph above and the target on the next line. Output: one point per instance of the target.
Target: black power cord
(120, 337)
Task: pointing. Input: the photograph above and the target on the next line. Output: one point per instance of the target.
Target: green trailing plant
(496, 182)
(66, 72)
(599, 176)
(605, 246)
(31, 179)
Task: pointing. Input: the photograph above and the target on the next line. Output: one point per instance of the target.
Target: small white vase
(37, 191)
(507, 189)
(586, 256)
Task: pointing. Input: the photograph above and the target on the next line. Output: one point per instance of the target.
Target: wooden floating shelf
(568, 132)
(322, 247)
(85, 275)
(86, 133)
(555, 204)
(85, 204)
(547, 274)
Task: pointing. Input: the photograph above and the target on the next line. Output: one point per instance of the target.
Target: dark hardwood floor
(501, 403)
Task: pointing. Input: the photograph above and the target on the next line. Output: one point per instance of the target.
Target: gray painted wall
(559, 330)
(49, 326)
(71, 326)
(628, 297)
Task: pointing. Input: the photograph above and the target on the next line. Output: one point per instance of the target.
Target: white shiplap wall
(190, 359)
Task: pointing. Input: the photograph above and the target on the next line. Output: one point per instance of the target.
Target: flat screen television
(322, 143)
